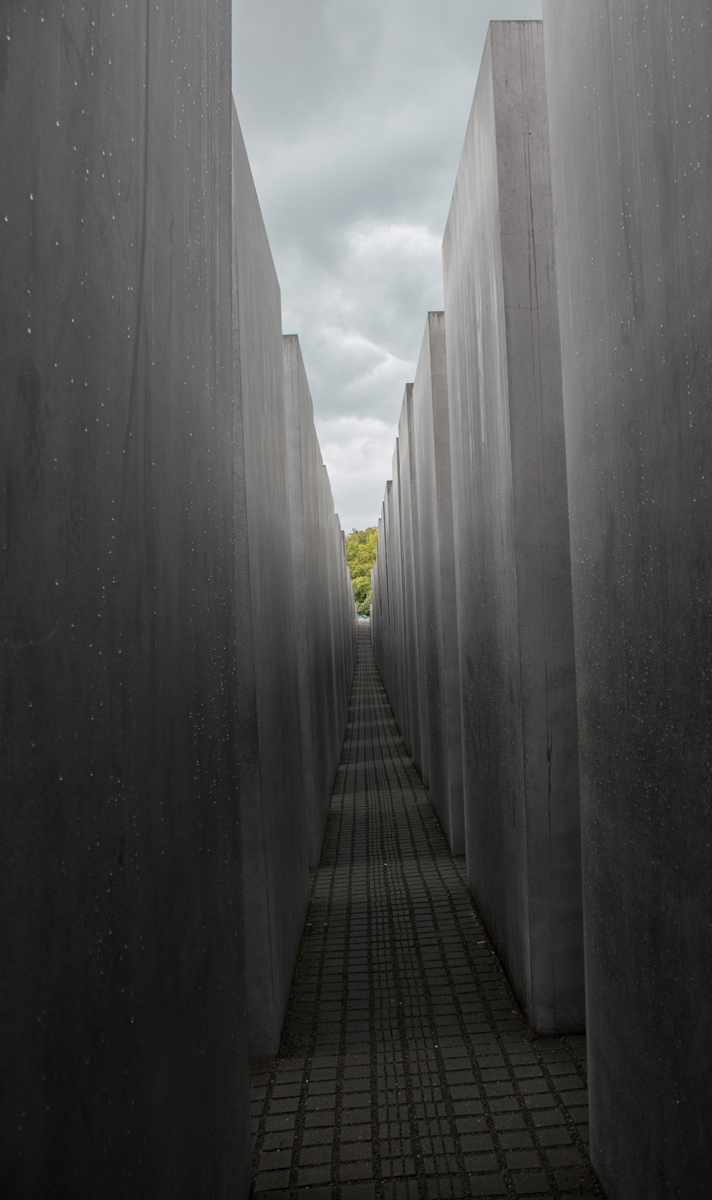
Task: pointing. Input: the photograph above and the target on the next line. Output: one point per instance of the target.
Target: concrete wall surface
(122, 986)
(274, 817)
(437, 661)
(412, 701)
(401, 705)
(393, 546)
(379, 600)
(630, 100)
(386, 645)
(323, 601)
(413, 614)
(514, 609)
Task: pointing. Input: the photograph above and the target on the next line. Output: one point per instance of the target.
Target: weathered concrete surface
(410, 597)
(325, 614)
(414, 702)
(395, 593)
(385, 628)
(388, 644)
(629, 89)
(437, 660)
(379, 603)
(514, 610)
(121, 990)
(274, 830)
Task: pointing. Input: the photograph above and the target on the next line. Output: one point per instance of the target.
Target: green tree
(361, 555)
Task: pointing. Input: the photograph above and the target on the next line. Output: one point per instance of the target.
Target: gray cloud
(354, 112)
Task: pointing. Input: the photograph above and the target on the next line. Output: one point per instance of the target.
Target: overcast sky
(354, 113)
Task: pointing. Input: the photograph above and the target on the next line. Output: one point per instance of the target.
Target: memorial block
(511, 537)
(629, 108)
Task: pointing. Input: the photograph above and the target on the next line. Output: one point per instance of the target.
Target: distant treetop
(361, 555)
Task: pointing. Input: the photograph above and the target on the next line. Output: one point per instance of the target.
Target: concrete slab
(437, 659)
(414, 699)
(122, 991)
(511, 538)
(384, 627)
(378, 614)
(392, 661)
(632, 177)
(323, 601)
(275, 850)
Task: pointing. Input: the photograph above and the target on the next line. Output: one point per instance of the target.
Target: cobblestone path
(405, 1068)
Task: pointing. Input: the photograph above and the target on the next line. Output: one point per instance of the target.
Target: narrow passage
(405, 1069)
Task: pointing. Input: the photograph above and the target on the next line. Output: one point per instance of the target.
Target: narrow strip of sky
(354, 112)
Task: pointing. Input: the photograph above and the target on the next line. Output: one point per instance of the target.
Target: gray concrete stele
(511, 535)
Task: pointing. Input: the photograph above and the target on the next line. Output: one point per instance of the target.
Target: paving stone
(558, 1135)
(540, 1100)
(564, 1156)
(314, 1156)
(403, 1070)
(356, 1133)
(274, 1160)
(288, 1104)
(533, 1183)
(271, 1181)
(356, 1170)
(278, 1141)
(279, 1121)
(505, 1104)
(319, 1173)
(487, 1185)
(480, 1162)
(319, 1119)
(321, 1136)
(355, 1151)
(518, 1159)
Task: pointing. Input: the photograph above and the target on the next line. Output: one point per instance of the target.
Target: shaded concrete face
(514, 611)
(122, 985)
(274, 831)
(383, 632)
(632, 177)
(437, 659)
(325, 615)
(413, 701)
(388, 631)
(378, 611)
(396, 630)
(395, 593)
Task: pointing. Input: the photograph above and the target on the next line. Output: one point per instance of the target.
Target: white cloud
(354, 321)
(353, 113)
(357, 452)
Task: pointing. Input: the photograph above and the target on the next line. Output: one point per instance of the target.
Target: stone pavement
(405, 1069)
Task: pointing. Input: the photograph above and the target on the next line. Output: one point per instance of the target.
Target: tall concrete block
(629, 89)
(275, 849)
(322, 594)
(383, 629)
(437, 659)
(344, 632)
(394, 549)
(378, 614)
(122, 986)
(514, 613)
(414, 699)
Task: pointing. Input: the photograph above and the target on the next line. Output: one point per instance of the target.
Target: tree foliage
(361, 555)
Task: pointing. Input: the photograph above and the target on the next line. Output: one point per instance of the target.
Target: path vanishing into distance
(405, 1068)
